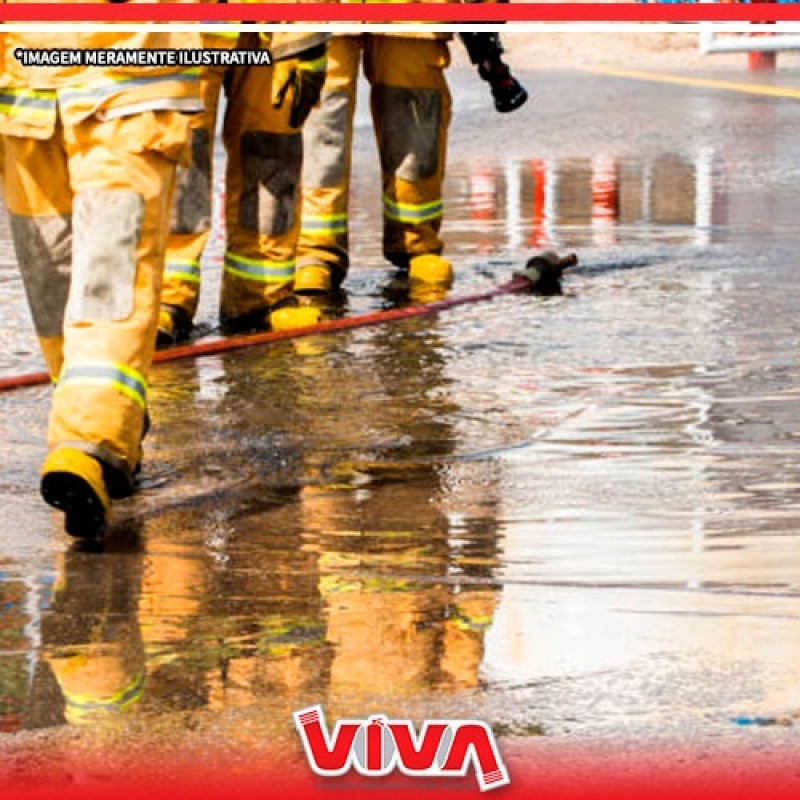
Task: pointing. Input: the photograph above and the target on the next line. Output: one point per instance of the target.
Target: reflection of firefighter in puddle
(170, 630)
(398, 623)
(337, 577)
(91, 640)
(114, 631)
(260, 637)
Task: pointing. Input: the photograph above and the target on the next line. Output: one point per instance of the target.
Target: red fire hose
(541, 273)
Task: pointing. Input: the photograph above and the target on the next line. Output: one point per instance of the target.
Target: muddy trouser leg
(328, 139)
(411, 110)
(41, 225)
(190, 223)
(121, 173)
(262, 196)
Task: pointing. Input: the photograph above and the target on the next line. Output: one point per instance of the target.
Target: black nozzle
(507, 91)
(545, 270)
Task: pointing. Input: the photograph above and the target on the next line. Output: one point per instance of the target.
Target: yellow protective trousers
(411, 110)
(261, 197)
(87, 208)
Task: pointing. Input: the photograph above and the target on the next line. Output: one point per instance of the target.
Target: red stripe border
(405, 12)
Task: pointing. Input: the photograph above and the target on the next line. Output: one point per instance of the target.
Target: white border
(353, 28)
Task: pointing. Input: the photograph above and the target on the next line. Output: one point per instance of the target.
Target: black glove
(485, 51)
(509, 94)
(305, 76)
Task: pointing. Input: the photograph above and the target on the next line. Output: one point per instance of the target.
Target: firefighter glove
(299, 81)
(507, 91)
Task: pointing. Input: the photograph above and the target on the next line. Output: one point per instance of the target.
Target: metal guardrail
(713, 42)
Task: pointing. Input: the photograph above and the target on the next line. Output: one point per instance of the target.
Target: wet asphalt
(573, 516)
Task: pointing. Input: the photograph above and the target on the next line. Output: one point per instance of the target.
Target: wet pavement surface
(568, 516)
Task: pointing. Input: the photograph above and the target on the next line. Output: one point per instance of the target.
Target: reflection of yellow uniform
(90, 157)
(264, 158)
(411, 110)
(397, 626)
(91, 639)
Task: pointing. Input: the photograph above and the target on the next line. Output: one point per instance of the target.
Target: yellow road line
(729, 86)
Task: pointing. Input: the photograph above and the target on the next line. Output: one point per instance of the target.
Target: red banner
(400, 12)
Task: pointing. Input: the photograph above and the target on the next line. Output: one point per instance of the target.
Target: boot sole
(84, 510)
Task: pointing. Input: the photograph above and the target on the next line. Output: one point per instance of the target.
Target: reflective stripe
(185, 270)
(188, 104)
(78, 705)
(412, 212)
(124, 379)
(465, 622)
(103, 90)
(324, 223)
(262, 270)
(317, 65)
(31, 102)
(334, 584)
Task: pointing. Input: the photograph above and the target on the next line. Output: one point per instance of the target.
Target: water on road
(567, 516)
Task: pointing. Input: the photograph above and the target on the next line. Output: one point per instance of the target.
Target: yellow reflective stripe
(29, 102)
(317, 65)
(464, 622)
(125, 380)
(262, 270)
(412, 212)
(81, 704)
(334, 584)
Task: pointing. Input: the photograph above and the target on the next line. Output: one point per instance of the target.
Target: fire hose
(541, 275)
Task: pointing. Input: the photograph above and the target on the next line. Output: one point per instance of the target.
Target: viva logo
(378, 745)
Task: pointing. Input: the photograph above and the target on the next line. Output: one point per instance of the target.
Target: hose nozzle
(543, 271)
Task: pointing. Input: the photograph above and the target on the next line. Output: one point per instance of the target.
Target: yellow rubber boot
(431, 269)
(73, 482)
(429, 278)
(291, 318)
(313, 279)
(174, 325)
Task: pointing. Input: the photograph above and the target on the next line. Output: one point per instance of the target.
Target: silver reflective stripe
(324, 225)
(325, 137)
(262, 270)
(408, 130)
(189, 105)
(271, 165)
(412, 213)
(44, 251)
(188, 271)
(125, 380)
(296, 45)
(108, 225)
(103, 91)
(30, 103)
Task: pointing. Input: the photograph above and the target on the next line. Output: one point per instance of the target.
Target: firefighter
(266, 107)
(90, 155)
(411, 110)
